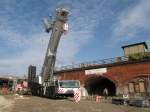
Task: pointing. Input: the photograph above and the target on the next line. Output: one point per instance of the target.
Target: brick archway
(136, 76)
(96, 84)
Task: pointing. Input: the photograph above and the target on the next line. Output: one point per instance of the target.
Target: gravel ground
(6, 104)
(36, 104)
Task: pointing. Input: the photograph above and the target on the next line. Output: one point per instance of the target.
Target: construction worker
(105, 93)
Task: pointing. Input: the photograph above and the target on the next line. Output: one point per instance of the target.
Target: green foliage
(139, 56)
(147, 55)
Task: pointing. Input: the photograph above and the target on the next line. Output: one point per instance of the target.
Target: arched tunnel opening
(95, 85)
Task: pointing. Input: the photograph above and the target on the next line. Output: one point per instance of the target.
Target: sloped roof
(130, 45)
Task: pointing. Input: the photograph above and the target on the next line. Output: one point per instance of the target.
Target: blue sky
(97, 30)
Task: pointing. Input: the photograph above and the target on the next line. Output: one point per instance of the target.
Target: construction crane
(51, 87)
(58, 27)
(46, 85)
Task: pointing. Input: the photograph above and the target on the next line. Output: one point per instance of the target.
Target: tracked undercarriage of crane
(49, 86)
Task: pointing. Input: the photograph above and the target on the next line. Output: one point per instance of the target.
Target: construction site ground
(12, 103)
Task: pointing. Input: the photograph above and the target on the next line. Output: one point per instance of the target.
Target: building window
(131, 87)
(137, 89)
(142, 85)
(137, 86)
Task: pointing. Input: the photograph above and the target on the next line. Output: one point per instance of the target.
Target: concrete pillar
(84, 92)
(119, 89)
(148, 90)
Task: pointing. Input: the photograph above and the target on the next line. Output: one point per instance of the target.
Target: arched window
(141, 85)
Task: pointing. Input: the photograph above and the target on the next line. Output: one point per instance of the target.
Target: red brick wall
(73, 75)
(118, 73)
(123, 73)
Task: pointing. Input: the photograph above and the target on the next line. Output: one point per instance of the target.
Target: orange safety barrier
(98, 98)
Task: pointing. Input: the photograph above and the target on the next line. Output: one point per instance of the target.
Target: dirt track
(36, 104)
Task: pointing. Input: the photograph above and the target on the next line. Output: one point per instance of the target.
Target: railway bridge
(118, 75)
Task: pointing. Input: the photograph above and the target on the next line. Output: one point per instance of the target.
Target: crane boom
(49, 87)
(57, 27)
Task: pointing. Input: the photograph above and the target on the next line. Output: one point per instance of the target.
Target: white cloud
(83, 21)
(33, 53)
(132, 21)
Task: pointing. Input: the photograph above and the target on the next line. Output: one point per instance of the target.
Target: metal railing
(93, 63)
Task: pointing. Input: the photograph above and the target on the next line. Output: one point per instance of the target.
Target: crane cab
(66, 87)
